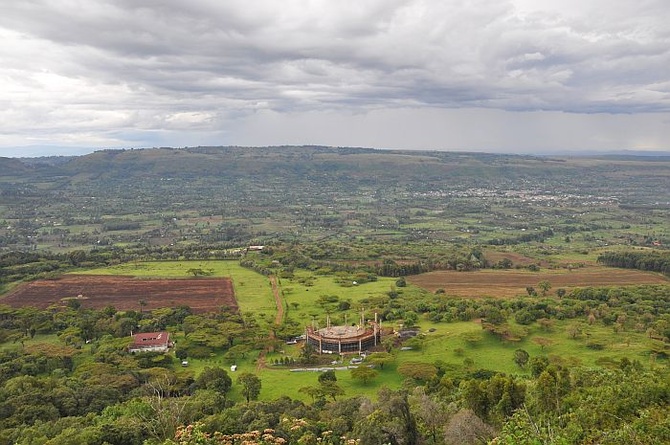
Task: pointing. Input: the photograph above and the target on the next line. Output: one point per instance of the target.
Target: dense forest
(339, 231)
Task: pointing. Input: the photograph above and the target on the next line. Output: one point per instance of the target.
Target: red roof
(150, 339)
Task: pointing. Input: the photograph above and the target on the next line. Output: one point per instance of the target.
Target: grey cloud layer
(101, 66)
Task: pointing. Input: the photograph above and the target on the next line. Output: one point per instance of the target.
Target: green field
(303, 295)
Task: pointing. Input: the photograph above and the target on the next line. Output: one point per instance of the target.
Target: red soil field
(125, 293)
(511, 283)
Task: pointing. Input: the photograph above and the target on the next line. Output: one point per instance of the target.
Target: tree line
(651, 260)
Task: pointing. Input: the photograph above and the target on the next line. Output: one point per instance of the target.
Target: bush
(524, 317)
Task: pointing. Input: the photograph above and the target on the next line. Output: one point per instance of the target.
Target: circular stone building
(344, 339)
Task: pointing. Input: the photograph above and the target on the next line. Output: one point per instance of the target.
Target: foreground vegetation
(543, 347)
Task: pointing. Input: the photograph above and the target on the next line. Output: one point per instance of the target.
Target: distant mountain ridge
(36, 152)
(285, 161)
(319, 164)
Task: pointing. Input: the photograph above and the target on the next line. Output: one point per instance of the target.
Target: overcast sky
(486, 75)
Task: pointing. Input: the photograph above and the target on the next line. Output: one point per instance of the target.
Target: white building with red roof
(150, 342)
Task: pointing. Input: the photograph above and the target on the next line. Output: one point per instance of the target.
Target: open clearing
(125, 293)
(511, 283)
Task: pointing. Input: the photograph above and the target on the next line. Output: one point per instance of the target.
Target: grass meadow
(449, 343)
(306, 297)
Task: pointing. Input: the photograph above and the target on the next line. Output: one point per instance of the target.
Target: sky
(519, 76)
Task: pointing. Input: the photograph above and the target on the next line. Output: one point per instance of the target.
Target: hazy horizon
(38, 152)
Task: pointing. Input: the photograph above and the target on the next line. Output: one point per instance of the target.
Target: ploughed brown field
(125, 293)
(511, 283)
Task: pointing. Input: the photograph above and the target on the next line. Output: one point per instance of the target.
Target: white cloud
(132, 73)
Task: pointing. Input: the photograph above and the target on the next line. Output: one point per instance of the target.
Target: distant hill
(13, 167)
(316, 166)
(290, 161)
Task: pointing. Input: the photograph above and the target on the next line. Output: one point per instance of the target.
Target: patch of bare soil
(510, 283)
(126, 293)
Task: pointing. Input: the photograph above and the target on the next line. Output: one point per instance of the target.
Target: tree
(545, 391)
(327, 376)
(181, 353)
(214, 378)
(494, 315)
(410, 318)
(472, 337)
(313, 391)
(308, 354)
(196, 272)
(230, 331)
(236, 352)
(380, 359)
(160, 414)
(417, 371)
(465, 428)
(389, 421)
(538, 364)
(544, 286)
(574, 330)
(431, 415)
(543, 342)
(389, 343)
(505, 263)
(363, 374)
(330, 388)
(251, 386)
(474, 397)
(522, 428)
(521, 358)
(524, 316)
